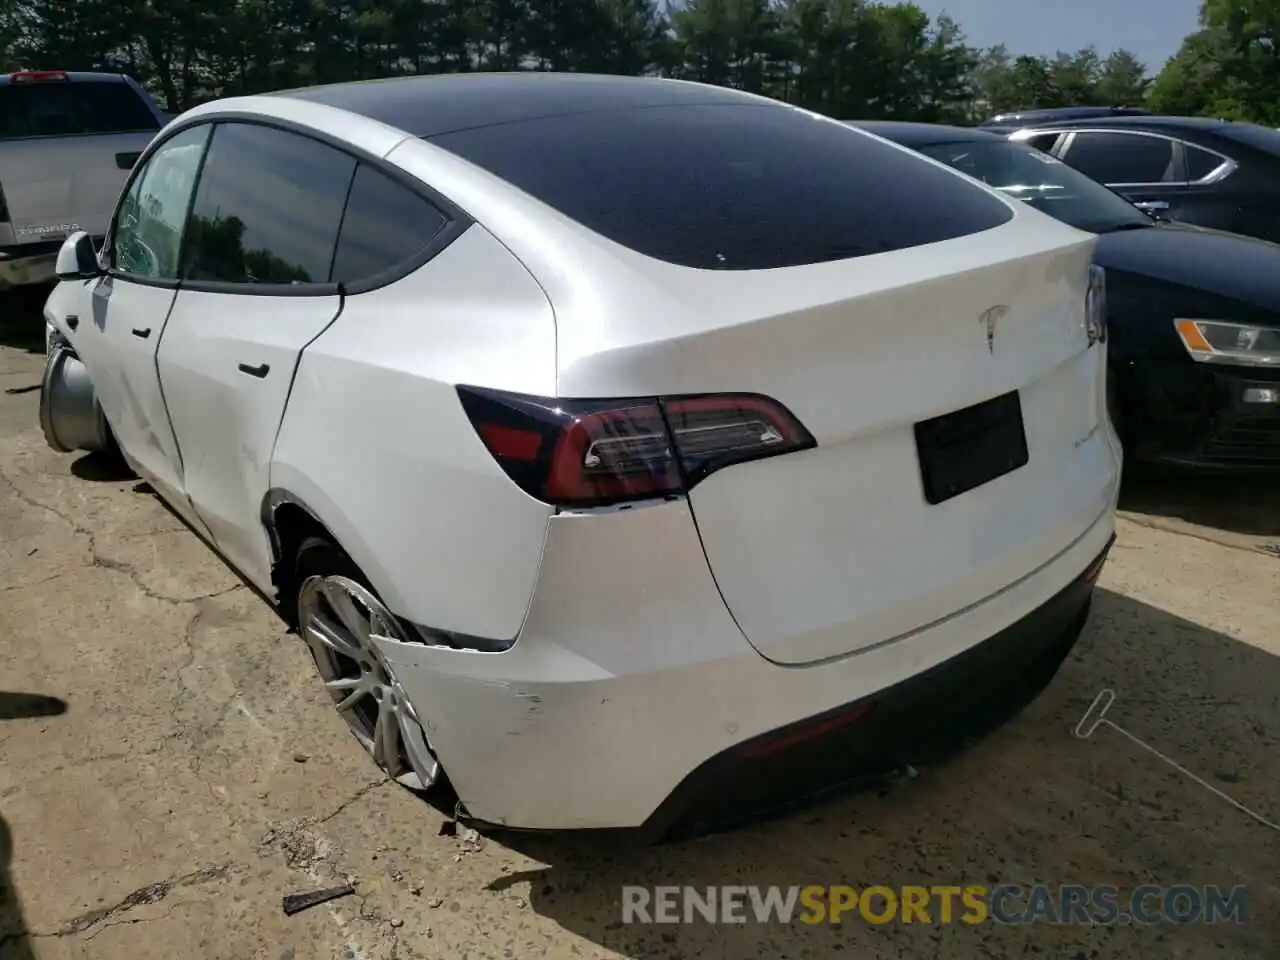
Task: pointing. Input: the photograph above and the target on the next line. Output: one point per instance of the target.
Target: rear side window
(62, 108)
(1042, 141)
(1121, 157)
(1200, 163)
(267, 209)
(731, 187)
(385, 225)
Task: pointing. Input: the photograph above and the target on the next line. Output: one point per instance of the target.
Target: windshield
(1045, 183)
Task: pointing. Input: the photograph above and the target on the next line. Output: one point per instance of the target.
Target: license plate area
(964, 449)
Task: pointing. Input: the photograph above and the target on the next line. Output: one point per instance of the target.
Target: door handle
(260, 371)
(142, 333)
(1152, 205)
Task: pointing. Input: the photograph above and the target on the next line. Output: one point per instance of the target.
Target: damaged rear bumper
(670, 722)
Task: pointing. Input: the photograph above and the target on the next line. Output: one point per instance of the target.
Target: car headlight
(1095, 306)
(1216, 341)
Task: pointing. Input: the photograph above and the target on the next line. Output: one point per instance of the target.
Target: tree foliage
(845, 58)
(1230, 67)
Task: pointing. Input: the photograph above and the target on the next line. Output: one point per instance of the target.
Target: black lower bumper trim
(1200, 416)
(916, 722)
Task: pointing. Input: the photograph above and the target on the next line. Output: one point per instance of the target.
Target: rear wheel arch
(311, 567)
(289, 523)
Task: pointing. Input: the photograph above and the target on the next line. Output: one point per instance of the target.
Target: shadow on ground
(22, 317)
(14, 943)
(1030, 804)
(105, 468)
(1242, 504)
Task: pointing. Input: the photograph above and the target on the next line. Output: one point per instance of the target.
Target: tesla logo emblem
(989, 319)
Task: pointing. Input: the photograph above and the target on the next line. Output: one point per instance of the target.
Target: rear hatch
(928, 333)
(948, 466)
(66, 148)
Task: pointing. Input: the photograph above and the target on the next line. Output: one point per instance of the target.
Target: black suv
(1213, 173)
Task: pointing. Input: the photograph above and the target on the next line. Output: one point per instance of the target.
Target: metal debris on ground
(297, 902)
(470, 840)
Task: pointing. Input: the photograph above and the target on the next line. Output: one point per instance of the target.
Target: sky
(1152, 29)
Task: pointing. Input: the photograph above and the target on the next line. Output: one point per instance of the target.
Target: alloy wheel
(338, 617)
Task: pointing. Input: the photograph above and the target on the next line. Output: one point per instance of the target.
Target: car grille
(1252, 438)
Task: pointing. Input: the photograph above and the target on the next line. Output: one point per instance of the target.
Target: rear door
(1144, 168)
(1249, 187)
(1219, 194)
(66, 149)
(259, 251)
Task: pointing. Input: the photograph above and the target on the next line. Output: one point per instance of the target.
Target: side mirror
(77, 260)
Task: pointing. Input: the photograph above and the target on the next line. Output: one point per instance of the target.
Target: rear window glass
(1200, 163)
(66, 108)
(731, 187)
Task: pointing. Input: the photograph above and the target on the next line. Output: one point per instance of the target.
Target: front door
(255, 291)
(123, 315)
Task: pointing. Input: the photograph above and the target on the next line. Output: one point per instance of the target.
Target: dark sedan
(1213, 173)
(1193, 314)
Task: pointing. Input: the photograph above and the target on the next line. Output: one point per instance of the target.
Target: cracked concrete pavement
(198, 773)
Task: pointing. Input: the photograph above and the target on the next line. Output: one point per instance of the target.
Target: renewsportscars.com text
(1003, 903)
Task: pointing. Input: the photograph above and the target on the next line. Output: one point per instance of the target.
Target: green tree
(733, 43)
(53, 34)
(1230, 67)
(1075, 77)
(1122, 81)
(826, 45)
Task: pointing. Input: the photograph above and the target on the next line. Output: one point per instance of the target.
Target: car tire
(326, 584)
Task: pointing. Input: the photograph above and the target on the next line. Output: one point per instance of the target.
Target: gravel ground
(198, 774)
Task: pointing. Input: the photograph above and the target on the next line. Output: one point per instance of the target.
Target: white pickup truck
(67, 143)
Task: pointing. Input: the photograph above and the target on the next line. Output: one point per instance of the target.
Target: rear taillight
(590, 453)
(1095, 306)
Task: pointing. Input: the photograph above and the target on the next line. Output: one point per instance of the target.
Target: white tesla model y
(631, 453)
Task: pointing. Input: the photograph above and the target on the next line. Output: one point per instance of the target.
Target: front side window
(148, 232)
(1042, 181)
(268, 208)
(1121, 157)
(730, 187)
